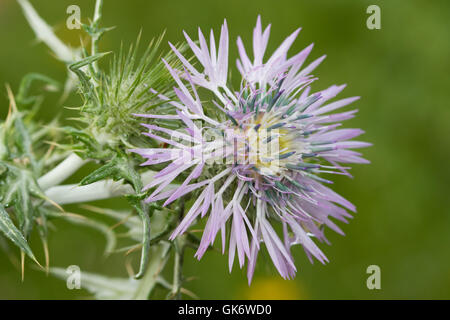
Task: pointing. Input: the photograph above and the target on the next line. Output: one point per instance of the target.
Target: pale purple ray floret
(262, 173)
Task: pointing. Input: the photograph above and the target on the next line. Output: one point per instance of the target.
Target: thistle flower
(253, 158)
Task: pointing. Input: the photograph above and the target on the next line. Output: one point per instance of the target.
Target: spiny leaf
(12, 233)
(23, 97)
(115, 169)
(84, 79)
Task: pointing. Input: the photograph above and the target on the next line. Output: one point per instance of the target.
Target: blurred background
(402, 73)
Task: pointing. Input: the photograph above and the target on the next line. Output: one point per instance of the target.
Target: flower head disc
(254, 157)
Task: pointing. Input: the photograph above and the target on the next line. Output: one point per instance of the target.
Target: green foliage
(24, 155)
(12, 233)
(102, 132)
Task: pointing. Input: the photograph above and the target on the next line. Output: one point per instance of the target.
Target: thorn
(47, 256)
(74, 215)
(137, 247)
(12, 101)
(53, 203)
(49, 151)
(22, 258)
(37, 262)
(52, 143)
(93, 208)
(129, 267)
(22, 264)
(121, 222)
(189, 293)
(192, 278)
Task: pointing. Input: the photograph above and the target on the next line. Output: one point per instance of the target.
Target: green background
(402, 74)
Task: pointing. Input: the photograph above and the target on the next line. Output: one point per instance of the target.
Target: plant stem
(74, 193)
(45, 33)
(178, 268)
(61, 172)
(156, 264)
(96, 36)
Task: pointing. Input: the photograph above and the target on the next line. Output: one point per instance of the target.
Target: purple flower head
(255, 158)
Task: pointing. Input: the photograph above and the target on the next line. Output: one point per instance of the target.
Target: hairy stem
(179, 244)
(61, 172)
(74, 193)
(158, 260)
(96, 36)
(45, 33)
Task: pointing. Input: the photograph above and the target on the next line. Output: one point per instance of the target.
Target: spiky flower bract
(125, 88)
(274, 139)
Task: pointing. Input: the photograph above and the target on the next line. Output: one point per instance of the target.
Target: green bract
(109, 98)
